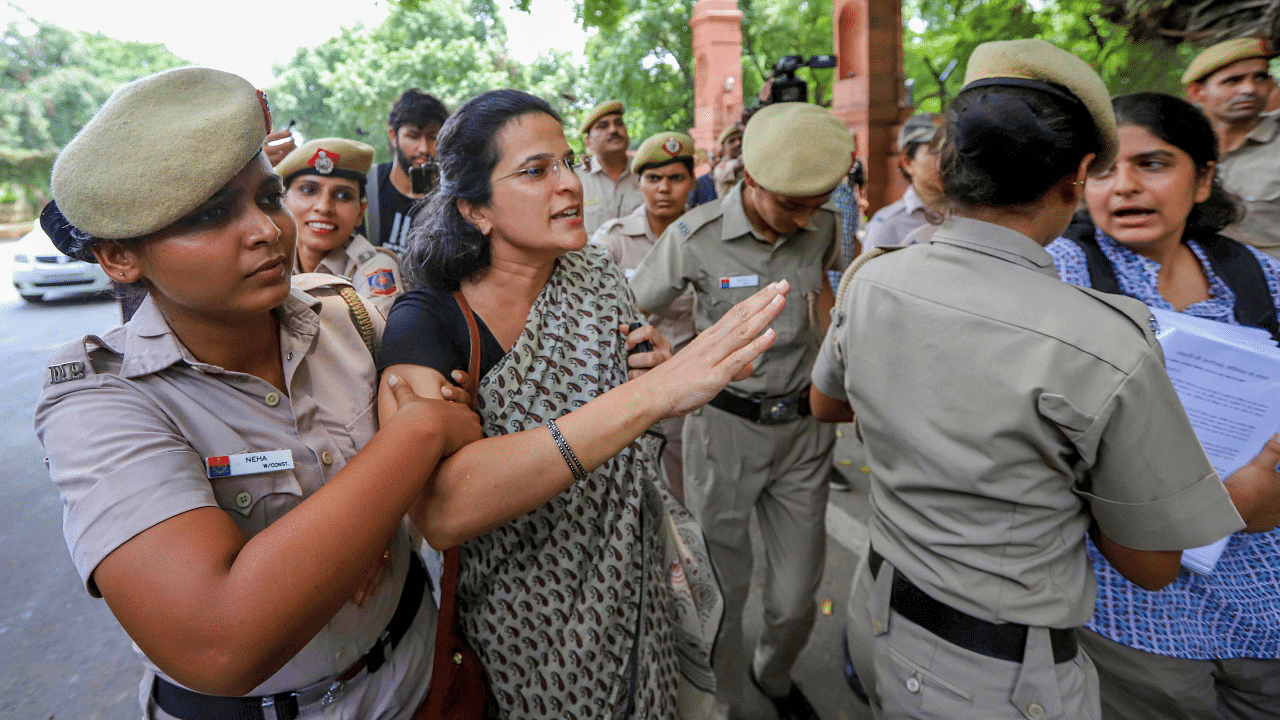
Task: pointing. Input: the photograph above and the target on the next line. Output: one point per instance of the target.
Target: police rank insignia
(381, 282)
(66, 372)
(672, 146)
(324, 161)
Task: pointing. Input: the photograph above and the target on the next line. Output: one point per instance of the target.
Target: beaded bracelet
(566, 452)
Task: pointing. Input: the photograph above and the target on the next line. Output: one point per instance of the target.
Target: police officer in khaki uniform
(324, 190)
(756, 447)
(1231, 82)
(226, 486)
(664, 164)
(609, 188)
(1005, 415)
(918, 163)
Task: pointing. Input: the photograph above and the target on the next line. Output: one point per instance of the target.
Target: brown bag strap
(448, 621)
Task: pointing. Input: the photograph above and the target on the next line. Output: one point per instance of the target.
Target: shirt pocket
(255, 501)
(725, 288)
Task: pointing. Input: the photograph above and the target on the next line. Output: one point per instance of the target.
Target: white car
(41, 272)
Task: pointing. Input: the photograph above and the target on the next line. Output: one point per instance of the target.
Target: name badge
(739, 281)
(249, 463)
(590, 201)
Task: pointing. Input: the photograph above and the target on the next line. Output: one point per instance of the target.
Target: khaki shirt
(373, 271)
(1003, 410)
(602, 198)
(714, 248)
(629, 240)
(133, 418)
(894, 222)
(1252, 171)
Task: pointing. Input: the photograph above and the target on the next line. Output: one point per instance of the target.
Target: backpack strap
(361, 316)
(373, 211)
(1240, 270)
(1102, 274)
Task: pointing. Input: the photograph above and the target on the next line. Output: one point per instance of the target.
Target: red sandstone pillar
(717, 61)
(868, 93)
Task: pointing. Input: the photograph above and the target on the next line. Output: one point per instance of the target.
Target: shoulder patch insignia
(364, 256)
(381, 282)
(66, 372)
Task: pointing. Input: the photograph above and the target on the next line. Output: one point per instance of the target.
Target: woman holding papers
(1207, 646)
(1007, 416)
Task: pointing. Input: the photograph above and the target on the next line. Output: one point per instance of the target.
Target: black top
(426, 327)
(395, 212)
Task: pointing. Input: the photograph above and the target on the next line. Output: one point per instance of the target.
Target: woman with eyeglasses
(561, 586)
(1208, 646)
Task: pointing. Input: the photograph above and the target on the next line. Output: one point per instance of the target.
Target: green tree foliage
(51, 82)
(645, 59)
(453, 49)
(642, 54)
(939, 31)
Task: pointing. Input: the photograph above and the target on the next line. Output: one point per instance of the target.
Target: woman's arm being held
(497, 479)
(221, 614)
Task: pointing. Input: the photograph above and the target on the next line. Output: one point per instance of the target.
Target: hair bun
(998, 128)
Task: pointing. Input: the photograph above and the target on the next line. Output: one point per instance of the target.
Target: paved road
(62, 655)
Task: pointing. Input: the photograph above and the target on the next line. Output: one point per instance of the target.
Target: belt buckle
(776, 412)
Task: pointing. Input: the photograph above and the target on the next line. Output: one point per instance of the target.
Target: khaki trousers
(733, 466)
(1138, 685)
(911, 673)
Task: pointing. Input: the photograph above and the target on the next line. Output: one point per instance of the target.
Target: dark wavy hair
(416, 108)
(444, 247)
(1183, 126)
(1006, 145)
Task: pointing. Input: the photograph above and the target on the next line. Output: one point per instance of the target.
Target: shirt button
(1034, 711)
(272, 399)
(839, 433)
(913, 685)
(340, 654)
(326, 458)
(244, 500)
(876, 626)
(289, 356)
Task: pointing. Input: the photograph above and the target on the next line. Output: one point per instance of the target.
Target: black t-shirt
(426, 327)
(396, 213)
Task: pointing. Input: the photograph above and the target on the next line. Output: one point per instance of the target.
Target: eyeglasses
(541, 169)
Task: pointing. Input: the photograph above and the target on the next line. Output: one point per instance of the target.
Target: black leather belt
(189, 705)
(1003, 641)
(766, 411)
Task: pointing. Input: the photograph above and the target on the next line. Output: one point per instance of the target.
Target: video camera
(786, 87)
(424, 178)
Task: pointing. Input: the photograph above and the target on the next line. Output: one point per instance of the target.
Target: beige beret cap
(727, 132)
(599, 111)
(797, 149)
(1216, 57)
(325, 156)
(157, 149)
(661, 148)
(1034, 59)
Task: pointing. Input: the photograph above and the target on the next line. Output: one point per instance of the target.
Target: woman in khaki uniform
(324, 186)
(226, 487)
(1007, 414)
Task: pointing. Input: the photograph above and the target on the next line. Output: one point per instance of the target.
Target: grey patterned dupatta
(568, 605)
